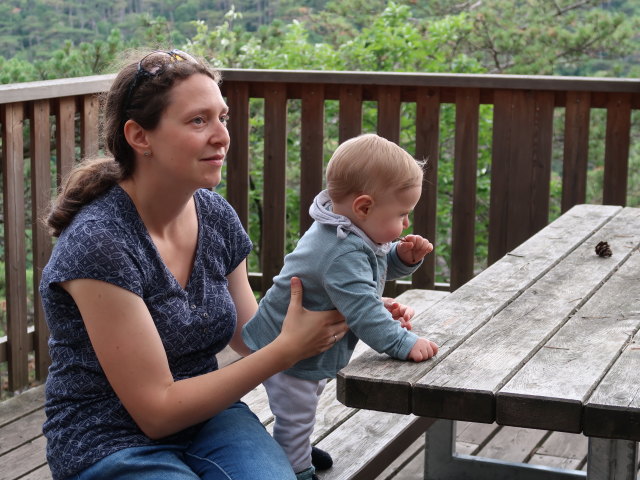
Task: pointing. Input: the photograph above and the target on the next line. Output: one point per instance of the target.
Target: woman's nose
(220, 134)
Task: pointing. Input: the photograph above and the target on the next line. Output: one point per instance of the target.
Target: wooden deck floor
(539, 447)
(22, 445)
(524, 445)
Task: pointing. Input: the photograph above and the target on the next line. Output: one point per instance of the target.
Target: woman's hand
(307, 333)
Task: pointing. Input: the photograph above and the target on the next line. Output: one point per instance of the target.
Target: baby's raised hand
(413, 248)
(422, 350)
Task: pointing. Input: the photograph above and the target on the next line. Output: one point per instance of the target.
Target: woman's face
(191, 141)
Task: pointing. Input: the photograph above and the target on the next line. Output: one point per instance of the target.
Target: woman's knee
(234, 443)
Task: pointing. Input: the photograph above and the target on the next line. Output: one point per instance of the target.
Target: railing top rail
(63, 87)
(27, 91)
(534, 82)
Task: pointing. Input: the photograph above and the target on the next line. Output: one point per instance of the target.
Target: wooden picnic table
(546, 337)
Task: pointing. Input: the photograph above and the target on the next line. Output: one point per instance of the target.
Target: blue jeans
(233, 445)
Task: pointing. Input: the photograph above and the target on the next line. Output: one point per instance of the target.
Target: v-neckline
(149, 239)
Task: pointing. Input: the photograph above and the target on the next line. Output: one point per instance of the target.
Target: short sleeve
(96, 250)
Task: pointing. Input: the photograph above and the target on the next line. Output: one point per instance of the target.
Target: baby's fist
(413, 248)
(422, 350)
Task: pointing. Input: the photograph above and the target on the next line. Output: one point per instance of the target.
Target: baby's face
(389, 216)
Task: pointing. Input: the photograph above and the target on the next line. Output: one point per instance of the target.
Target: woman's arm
(245, 302)
(132, 356)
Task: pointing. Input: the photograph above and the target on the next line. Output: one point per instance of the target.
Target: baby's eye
(224, 119)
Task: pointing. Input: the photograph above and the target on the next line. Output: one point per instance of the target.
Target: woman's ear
(362, 205)
(136, 137)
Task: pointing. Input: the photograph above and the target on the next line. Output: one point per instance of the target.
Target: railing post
(464, 189)
(274, 195)
(311, 150)
(41, 240)
(616, 156)
(238, 156)
(14, 244)
(576, 149)
(428, 149)
(350, 112)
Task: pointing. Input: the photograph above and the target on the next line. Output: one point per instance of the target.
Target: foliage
(551, 37)
(558, 37)
(502, 36)
(86, 59)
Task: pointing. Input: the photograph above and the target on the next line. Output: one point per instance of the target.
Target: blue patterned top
(108, 241)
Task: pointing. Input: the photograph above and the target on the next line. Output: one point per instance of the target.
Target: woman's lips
(214, 160)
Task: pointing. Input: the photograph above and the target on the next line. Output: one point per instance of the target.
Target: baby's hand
(400, 312)
(422, 350)
(413, 248)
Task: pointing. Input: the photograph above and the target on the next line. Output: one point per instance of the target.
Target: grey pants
(294, 402)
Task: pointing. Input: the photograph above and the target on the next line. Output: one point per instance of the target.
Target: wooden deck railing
(52, 115)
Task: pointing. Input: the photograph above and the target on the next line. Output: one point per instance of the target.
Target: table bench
(362, 442)
(545, 338)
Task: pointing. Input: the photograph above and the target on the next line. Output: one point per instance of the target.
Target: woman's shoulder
(100, 243)
(113, 206)
(111, 215)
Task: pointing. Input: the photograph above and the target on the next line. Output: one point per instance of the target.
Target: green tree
(86, 59)
(504, 36)
(534, 37)
(551, 37)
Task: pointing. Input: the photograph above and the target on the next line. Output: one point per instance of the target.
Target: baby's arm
(422, 350)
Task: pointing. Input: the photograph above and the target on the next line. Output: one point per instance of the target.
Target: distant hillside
(31, 29)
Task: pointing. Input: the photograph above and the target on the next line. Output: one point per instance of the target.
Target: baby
(344, 260)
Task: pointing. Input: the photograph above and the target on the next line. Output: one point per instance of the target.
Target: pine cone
(603, 250)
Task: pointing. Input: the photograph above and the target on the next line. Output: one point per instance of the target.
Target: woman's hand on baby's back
(306, 332)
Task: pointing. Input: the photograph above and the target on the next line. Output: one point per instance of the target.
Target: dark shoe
(321, 459)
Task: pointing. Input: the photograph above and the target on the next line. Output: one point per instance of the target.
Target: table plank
(549, 392)
(464, 385)
(455, 318)
(613, 410)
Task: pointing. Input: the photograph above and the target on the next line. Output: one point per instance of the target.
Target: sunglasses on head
(154, 64)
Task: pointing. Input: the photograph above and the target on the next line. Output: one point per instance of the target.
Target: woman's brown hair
(134, 95)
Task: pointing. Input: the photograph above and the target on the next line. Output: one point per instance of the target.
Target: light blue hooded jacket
(340, 267)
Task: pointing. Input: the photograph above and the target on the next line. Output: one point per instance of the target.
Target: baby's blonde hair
(369, 164)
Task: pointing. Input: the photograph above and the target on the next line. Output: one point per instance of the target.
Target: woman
(146, 283)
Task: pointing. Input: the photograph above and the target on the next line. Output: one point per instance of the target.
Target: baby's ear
(362, 205)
